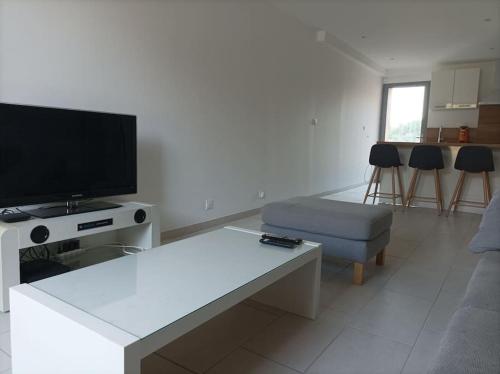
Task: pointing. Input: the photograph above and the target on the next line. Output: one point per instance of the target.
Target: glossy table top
(143, 293)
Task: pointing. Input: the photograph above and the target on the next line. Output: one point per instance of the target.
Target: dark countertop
(442, 144)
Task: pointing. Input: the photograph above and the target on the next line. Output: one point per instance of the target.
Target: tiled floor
(391, 324)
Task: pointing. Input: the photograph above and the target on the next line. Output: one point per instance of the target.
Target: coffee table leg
(297, 292)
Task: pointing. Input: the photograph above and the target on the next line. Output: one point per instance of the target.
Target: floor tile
(410, 232)
(244, 362)
(418, 282)
(201, 348)
(264, 308)
(4, 322)
(358, 352)
(394, 316)
(295, 341)
(332, 287)
(332, 265)
(5, 342)
(4, 362)
(443, 309)
(378, 276)
(465, 260)
(457, 280)
(154, 364)
(433, 258)
(401, 247)
(353, 298)
(423, 353)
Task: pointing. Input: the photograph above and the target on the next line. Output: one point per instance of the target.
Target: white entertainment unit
(132, 224)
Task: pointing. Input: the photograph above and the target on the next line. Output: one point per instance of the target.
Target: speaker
(140, 216)
(39, 234)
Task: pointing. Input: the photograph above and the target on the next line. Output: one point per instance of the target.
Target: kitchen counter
(442, 144)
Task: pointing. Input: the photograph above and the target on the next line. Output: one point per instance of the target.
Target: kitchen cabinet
(455, 88)
(465, 91)
(442, 83)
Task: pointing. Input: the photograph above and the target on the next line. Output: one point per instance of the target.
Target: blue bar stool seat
(426, 158)
(385, 156)
(473, 160)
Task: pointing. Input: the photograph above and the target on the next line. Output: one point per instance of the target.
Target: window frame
(385, 96)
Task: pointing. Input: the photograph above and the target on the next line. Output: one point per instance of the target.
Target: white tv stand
(124, 229)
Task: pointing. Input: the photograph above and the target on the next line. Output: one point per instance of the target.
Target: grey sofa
(471, 343)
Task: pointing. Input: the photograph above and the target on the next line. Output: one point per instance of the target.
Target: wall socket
(261, 195)
(209, 204)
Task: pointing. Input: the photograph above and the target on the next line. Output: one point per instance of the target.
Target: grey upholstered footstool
(350, 231)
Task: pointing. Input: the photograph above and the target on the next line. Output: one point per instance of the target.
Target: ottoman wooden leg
(358, 273)
(380, 259)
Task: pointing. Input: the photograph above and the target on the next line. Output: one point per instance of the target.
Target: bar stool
(384, 156)
(473, 159)
(426, 158)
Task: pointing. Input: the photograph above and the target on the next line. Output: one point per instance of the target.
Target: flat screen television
(51, 155)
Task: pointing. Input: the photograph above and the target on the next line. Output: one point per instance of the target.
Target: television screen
(49, 154)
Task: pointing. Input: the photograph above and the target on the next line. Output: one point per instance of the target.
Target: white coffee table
(105, 318)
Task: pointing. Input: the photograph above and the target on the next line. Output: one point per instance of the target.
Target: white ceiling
(407, 35)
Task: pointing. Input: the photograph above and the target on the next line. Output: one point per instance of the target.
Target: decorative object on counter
(472, 159)
(463, 134)
(384, 156)
(426, 158)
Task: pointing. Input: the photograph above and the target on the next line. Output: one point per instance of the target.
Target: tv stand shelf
(121, 226)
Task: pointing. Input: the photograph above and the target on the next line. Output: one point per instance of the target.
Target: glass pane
(405, 107)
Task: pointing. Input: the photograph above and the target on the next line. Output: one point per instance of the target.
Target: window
(404, 111)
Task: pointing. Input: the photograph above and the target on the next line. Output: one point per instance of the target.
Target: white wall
(224, 93)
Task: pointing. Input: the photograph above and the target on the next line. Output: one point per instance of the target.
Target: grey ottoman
(350, 231)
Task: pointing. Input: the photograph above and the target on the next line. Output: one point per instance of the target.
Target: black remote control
(284, 239)
(280, 241)
(14, 217)
(277, 243)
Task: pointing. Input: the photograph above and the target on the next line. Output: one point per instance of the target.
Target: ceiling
(410, 35)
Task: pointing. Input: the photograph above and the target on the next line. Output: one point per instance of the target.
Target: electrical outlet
(314, 122)
(209, 204)
(261, 195)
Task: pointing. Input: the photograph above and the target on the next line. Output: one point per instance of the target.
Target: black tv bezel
(76, 195)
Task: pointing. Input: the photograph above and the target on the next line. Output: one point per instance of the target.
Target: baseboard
(338, 190)
(191, 229)
(170, 235)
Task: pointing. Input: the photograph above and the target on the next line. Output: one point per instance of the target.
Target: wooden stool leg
(401, 190)
(485, 191)
(393, 187)
(359, 270)
(370, 185)
(486, 177)
(488, 186)
(380, 259)
(454, 200)
(459, 193)
(411, 189)
(377, 181)
(438, 191)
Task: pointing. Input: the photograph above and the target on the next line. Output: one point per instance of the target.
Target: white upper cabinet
(465, 92)
(455, 89)
(442, 89)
